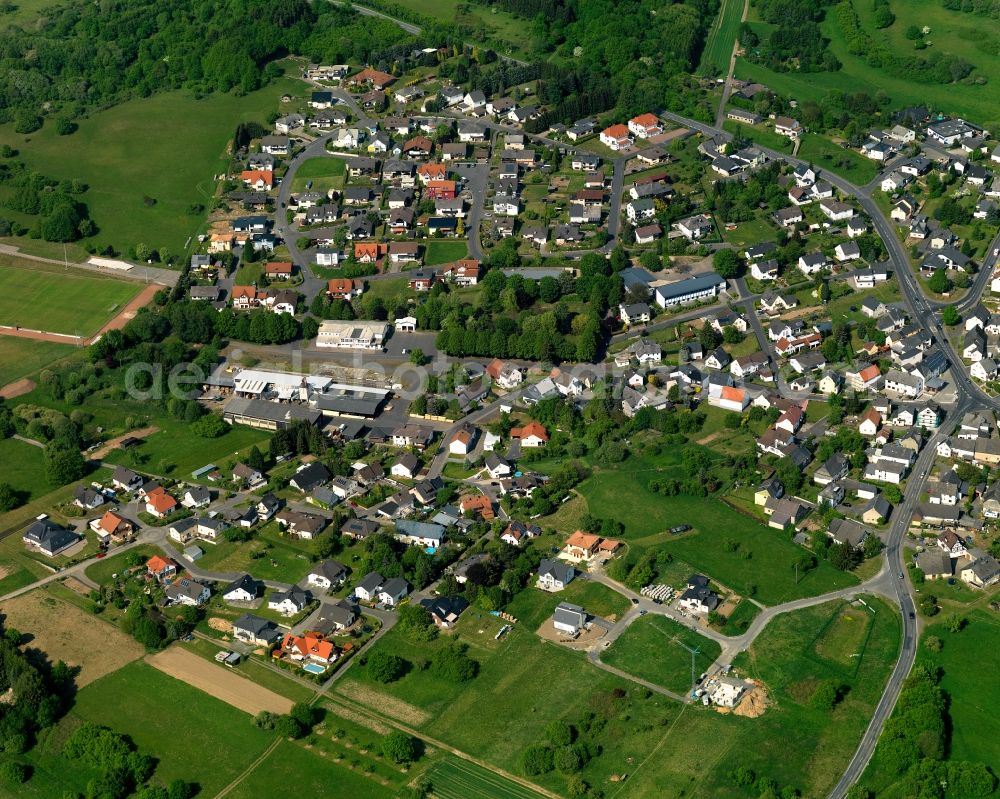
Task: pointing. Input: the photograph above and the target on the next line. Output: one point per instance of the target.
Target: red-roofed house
(311, 647)
(279, 270)
(418, 145)
(479, 504)
(159, 503)
(731, 399)
(343, 288)
(581, 546)
(245, 297)
(371, 77)
(871, 421)
(258, 178)
(431, 172)
(616, 137)
(461, 442)
(161, 568)
(791, 419)
(866, 378)
(461, 273)
(112, 527)
(533, 434)
(645, 125)
(441, 190)
(367, 252)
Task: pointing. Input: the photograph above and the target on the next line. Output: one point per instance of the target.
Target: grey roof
(568, 613)
(246, 582)
(256, 626)
(331, 570)
(848, 531)
(49, 536)
(310, 477)
(562, 572)
(395, 586)
(371, 582)
(690, 285)
(434, 532)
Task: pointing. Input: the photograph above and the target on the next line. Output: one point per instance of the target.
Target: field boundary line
(249, 769)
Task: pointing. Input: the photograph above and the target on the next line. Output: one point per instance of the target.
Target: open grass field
(134, 151)
(665, 748)
(844, 162)
(175, 451)
(763, 561)
(967, 35)
(975, 729)
(21, 357)
(759, 134)
(651, 648)
(721, 38)
(23, 11)
(325, 174)
(459, 779)
(444, 252)
(65, 632)
(194, 735)
(63, 301)
(23, 466)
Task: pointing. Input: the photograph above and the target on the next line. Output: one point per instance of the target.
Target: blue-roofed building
(690, 289)
(425, 534)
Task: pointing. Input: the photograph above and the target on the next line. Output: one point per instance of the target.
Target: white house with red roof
(533, 434)
(616, 137)
(645, 125)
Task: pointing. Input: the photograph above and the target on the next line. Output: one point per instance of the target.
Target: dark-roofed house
(310, 477)
(48, 537)
(369, 586)
(242, 589)
(698, 597)
(569, 618)
(554, 575)
(252, 629)
(335, 616)
(445, 610)
(393, 591)
(327, 574)
(846, 531)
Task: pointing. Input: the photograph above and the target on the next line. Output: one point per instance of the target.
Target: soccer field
(60, 301)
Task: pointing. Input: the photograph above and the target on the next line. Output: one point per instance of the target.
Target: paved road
(142, 273)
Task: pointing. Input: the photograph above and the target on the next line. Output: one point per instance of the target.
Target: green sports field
(60, 301)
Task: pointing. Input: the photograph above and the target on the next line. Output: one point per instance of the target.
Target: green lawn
(283, 560)
(325, 173)
(166, 147)
(23, 466)
(760, 134)
(193, 736)
(101, 571)
(459, 779)
(21, 357)
(444, 252)
(60, 300)
(845, 162)
(175, 451)
(975, 730)
(653, 647)
(721, 37)
(533, 606)
(478, 21)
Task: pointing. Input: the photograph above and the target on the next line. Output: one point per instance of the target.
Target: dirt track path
(111, 445)
(17, 388)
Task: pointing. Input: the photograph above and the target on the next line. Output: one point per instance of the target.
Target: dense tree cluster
(796, 39)
(56, 205)
(85, 55)
(914, 744)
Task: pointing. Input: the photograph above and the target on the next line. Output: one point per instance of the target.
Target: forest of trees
(85, 55)
(796, 42)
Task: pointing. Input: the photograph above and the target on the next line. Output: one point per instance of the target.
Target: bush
(385, 668)
(399, 747)
(14, 773)
(537, 760)
(453, 665)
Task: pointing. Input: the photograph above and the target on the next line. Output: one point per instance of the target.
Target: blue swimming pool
(313, 668)
(430, 550)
